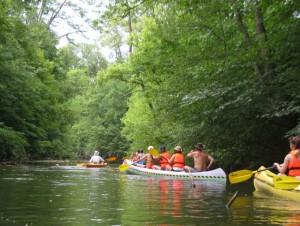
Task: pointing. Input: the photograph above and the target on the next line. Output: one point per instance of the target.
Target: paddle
(153, 152)
(192, 177)
(242, 175)
(124, 167)
(111, 159)
(285, 182)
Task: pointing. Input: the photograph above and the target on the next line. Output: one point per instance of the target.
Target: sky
(92, 36)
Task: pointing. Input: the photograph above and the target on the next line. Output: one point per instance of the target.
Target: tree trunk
(261, 36)
(246, 36)
(129, 29)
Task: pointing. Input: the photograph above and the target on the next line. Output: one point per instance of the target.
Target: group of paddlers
(175, 162)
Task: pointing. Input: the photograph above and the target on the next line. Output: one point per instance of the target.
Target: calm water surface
(70, 195)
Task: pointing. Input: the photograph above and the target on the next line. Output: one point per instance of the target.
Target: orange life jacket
(163, 161)
(294, 166)
(178, 161)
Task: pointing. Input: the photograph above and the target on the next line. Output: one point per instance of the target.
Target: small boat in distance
(92, 165)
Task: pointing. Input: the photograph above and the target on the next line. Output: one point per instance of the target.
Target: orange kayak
(91, 165)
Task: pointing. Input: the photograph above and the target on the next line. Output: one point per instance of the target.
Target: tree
(212, 72)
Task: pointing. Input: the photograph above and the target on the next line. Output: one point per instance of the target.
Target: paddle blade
(240, 176)
(111, 159)
(285, 182)
(124, 167)
(154, 152)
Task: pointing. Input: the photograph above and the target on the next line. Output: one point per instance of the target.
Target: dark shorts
(177, 170)
(193, 170)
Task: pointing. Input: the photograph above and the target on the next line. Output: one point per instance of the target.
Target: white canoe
(216, 174)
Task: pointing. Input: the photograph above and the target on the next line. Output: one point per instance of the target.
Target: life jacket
(294, 167)
(163, 161)
(178, 161)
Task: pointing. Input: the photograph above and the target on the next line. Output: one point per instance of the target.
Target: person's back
(291, 163)
(294, 166)
(200, 159)
(149, 161)
(96, 158)
(164, 160)
(177, 160)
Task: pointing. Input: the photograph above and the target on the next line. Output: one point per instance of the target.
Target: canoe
(263, 181)
(92, 165)
(216, 174)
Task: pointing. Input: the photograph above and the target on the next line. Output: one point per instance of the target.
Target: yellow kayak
(264, 181)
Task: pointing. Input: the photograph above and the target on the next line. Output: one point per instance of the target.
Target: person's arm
(91, 160)
(101, 159)
(283, 167)
(157, 157)
(141, 159)
(190, 154)
(211, 161)
(172, 159)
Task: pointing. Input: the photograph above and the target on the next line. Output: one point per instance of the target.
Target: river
(71, 195)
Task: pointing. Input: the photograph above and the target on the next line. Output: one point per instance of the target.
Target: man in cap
(200, 159)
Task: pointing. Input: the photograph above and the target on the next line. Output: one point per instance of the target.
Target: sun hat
(150, 147)
(199, 146)
(177, 148)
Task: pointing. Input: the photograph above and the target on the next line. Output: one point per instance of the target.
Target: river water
(70, 195)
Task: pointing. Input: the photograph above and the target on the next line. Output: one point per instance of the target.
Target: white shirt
(96, 159)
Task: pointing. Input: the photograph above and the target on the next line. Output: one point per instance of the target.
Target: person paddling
(149, 160)
(176, 161)
(96, 159)
(164, 159)
(291, 163)
(200, 159)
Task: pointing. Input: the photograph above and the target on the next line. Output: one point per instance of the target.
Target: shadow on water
(70, 195)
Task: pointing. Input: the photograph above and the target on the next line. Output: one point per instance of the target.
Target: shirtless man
(200, 159)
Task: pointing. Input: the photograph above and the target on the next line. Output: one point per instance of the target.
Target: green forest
(225, 73)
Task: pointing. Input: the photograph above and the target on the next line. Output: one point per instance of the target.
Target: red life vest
(163, 161)
(178, 161)
(294, 166)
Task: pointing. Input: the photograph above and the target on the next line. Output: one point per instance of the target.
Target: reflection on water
(70, 195)
(275, 207)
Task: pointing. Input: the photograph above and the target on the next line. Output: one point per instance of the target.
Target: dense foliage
(225, 73)
(30, 101)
